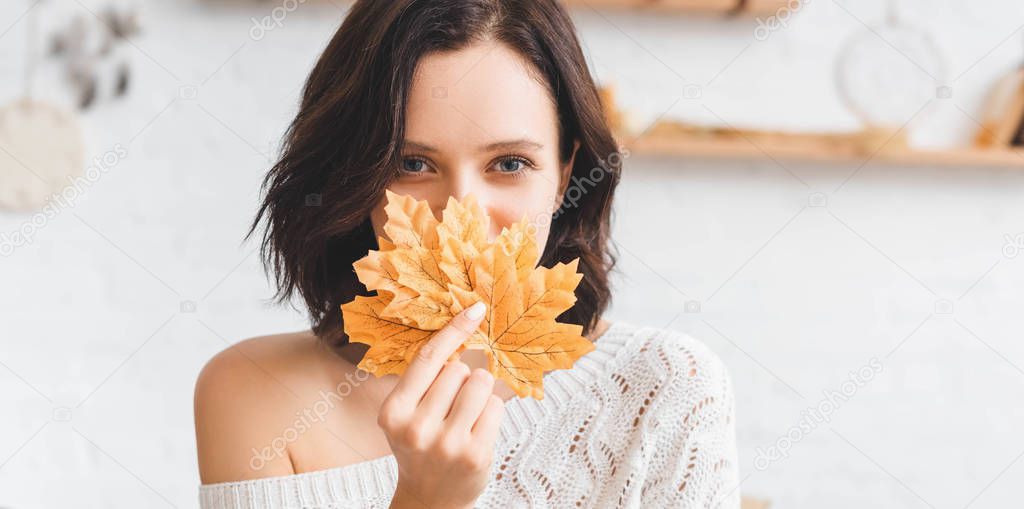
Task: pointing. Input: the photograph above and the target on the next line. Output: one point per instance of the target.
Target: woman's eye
(512, 165)
(414, 165)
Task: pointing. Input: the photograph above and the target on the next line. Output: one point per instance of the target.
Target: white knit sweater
(644, 420)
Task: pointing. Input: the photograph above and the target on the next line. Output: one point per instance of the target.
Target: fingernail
(476, 311)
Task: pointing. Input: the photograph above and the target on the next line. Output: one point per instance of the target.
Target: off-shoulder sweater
(646, 419)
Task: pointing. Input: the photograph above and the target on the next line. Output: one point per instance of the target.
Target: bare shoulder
(247, 395)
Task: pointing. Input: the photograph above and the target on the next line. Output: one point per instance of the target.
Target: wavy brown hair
(343, 148)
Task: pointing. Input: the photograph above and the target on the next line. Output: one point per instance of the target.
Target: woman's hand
(442, 421)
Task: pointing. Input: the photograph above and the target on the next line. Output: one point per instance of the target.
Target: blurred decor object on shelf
(889, 75)
(612, 114)
(1002, 122)
(734, 7)
(41, 145)
(43, 152)
(88, 47)
(754, 503)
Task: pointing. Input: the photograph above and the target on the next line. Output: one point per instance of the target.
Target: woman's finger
(471, 400)
(485, 431)
(427, 363)
(438, 401)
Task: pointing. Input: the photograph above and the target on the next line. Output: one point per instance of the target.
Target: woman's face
(478, 123)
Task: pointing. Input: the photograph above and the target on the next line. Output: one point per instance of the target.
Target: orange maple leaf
(428, 271)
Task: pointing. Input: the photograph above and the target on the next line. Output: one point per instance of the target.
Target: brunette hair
(343, 148)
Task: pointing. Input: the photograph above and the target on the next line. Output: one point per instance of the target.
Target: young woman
(435, 99)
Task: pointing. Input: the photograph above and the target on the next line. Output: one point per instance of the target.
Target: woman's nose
(464, 183)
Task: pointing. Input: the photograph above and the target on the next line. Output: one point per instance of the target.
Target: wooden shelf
(874, 146)
(857, 148)
(747, 7)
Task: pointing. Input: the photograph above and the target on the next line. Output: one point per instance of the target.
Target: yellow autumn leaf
(428, 271)
(392, 342)
(519, 333)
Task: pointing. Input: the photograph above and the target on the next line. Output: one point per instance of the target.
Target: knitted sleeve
(691, 438)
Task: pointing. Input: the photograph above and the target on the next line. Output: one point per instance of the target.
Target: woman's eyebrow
(521, 143)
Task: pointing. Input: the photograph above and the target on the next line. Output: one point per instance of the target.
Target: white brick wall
(98, 360)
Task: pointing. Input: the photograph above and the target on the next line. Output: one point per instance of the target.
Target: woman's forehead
(476, 96)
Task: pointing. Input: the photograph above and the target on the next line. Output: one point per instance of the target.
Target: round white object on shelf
(41, 151)
(887, 75)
